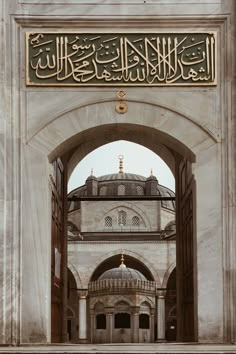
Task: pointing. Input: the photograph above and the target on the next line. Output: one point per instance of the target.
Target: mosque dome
(122, 272)
(123, 184)
(122, 177)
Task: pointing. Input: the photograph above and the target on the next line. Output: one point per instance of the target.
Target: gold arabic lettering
(130, 59)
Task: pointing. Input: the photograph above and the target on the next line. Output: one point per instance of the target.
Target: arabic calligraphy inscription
(153, 59)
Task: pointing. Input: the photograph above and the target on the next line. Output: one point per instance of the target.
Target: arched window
(122, 216)
(101, 321)
(103, 190)
(122, 320)
(144, 321)
(135, 221)
(108, 221)
(121, 189)
(140, 190)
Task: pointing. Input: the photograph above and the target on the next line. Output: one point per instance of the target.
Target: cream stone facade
(192, 128)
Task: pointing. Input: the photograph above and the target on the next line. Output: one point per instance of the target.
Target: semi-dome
(122, 272)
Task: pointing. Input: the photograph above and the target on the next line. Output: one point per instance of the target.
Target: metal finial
(151, 172)
(122, 265)
(91, 171)
(121, 158)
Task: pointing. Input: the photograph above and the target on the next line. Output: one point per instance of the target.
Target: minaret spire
(122, 265)
(121, 158)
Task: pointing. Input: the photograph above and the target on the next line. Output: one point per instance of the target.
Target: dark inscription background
(120, 59)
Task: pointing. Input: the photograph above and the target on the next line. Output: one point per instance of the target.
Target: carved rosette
(121, 106)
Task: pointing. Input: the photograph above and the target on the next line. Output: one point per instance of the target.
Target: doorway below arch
(101, 216)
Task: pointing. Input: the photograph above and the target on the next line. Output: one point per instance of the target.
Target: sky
(137, 159)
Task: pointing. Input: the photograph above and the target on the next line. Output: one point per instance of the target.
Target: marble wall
(158, 256)
(39, 123)
(93, 215)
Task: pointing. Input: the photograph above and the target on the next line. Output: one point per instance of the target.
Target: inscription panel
(116, 59)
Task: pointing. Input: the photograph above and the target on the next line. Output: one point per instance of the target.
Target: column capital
(109, 310)
(135, 310)
(152, 312)
(161, 293)
(82, 293)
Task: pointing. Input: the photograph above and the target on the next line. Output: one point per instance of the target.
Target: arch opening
(179, 158)
(114, 262)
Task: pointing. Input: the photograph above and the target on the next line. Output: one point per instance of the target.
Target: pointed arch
(75, 274)
(134, 255)
(167, 275)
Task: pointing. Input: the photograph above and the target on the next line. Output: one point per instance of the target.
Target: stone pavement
(118, 348)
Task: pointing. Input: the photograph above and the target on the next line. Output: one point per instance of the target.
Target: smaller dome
(171, 226)
(122, 272)
(91, 176)
(152, 177)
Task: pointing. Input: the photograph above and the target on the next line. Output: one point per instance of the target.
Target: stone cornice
(121, 242)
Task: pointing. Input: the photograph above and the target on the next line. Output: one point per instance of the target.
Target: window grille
(121, 189)
(135, 221)
(140, 190)
(122, 320)
(101, 321)
(108, 221)
(144, 321)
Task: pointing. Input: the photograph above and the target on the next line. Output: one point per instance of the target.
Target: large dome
(123, 184)
(121, 176)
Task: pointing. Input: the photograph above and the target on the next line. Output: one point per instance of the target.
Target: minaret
(151, 184)
(92, 184)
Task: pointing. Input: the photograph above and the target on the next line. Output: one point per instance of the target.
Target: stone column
(110, 324)
(152, 325)
(135, 325)
(83, 317)
(161, 322)
(92, 326)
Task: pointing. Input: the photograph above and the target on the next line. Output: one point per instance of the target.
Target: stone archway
(75, 274)
(147, 124)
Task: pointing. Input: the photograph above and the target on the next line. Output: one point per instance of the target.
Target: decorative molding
(121, 242)
(161, 293)
(121, 107)
(118, 285)
(82, 293)
(52, 177)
